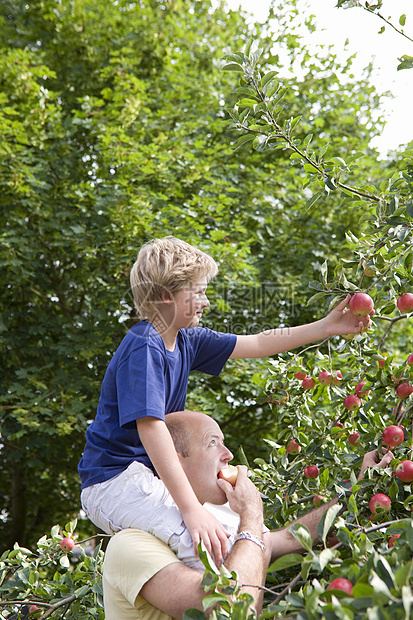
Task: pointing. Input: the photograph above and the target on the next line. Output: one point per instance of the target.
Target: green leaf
(402, 19)
(285, 561)
(249, 137)
(302, 534)
(327, 521)
(194, 614)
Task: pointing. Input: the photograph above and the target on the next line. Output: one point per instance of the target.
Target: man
(142, 577)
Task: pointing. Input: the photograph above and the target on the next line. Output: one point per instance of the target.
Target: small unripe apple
(343, 584)
(393, 436)
(404, 390)
(229, 473)
(67, 544)
(381, 502)
(392, 540)
(324, 377)
(293, 447)
(359, 389)
(317, 500)
(361, 304)
(352, 402)
(311, 471)
(300, 375)
(308, 383)
(405, 302)
(410, 359)
(404, 471)
(353, 439)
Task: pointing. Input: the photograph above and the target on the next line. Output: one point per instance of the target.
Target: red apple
(293, 447)
(308, 383)
(382, 362)
(229, 473)
(317, 500)
(404, 390)
(353, 439)
(405, 302)
(343, 584)
(392, 540)
(393, 436)
(379, 501)
(361, 304)
(404, 471)
(300, 375)
(33, 609)
(67, 544)
(311, 471)
(410, 359)
(359, 389)
(352, 402)
(324, 377)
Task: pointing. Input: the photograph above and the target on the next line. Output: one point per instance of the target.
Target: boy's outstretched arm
(339, 321)
(157, 441)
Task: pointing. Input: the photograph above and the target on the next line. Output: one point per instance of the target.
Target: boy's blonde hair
(166, 265)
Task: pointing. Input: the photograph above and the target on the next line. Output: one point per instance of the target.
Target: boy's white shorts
(136, 498)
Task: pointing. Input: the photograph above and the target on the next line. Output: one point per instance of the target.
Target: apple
(67, 544)
(343, 584)
(359, 389)
(404, 390)
(369, 269)
(381, 362)
(33, 609)
(361, 304)
(353, 439)
(393, 436)
(324, 377)
(352, 402)
(337, 376)
(317, 500)
(311, 471)
(229, 473)
(410, 359)
(405, 302)
(404, 471)
(381, 502)
(293, 447)
(308, 383)
(300, 375)
(392, 540)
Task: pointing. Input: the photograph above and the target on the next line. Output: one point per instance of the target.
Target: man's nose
(227, 455)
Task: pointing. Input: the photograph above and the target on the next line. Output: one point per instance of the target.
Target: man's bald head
(182, 425)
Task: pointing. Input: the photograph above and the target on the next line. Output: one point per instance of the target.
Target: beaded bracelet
(251, 537)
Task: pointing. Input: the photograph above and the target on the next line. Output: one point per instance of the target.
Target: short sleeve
(140, 382)
(211, 349)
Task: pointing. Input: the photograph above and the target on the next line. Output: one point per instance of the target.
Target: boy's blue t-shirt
(145, 379)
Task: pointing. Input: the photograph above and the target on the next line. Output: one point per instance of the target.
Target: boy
(131, 475)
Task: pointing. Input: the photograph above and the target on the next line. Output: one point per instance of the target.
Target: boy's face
(189, 303)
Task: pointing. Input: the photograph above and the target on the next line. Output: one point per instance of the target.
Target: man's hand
(202, 524)
(244, 498)
(340, 321)
(372, 459)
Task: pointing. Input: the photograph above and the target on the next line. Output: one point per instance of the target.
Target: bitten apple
(229, 473)
(405, 302)
(343, 584)
(393, 436)
(311, 471)
(404, 471)
(67, 544)
(381, 502)
(361, 304)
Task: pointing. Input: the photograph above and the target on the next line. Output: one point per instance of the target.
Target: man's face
(189, 304)
(207, 456)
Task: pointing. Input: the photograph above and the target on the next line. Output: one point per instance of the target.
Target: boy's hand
(340, 321)
(202, 524)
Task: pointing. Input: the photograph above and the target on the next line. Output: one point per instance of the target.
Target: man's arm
(271, 342)
(176, 588)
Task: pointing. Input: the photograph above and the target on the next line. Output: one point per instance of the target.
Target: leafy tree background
(110, 134)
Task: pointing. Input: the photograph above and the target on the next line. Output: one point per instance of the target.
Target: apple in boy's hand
(229, 473)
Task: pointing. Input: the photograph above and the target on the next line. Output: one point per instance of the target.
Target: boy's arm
(159, 446)
(270, 342)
